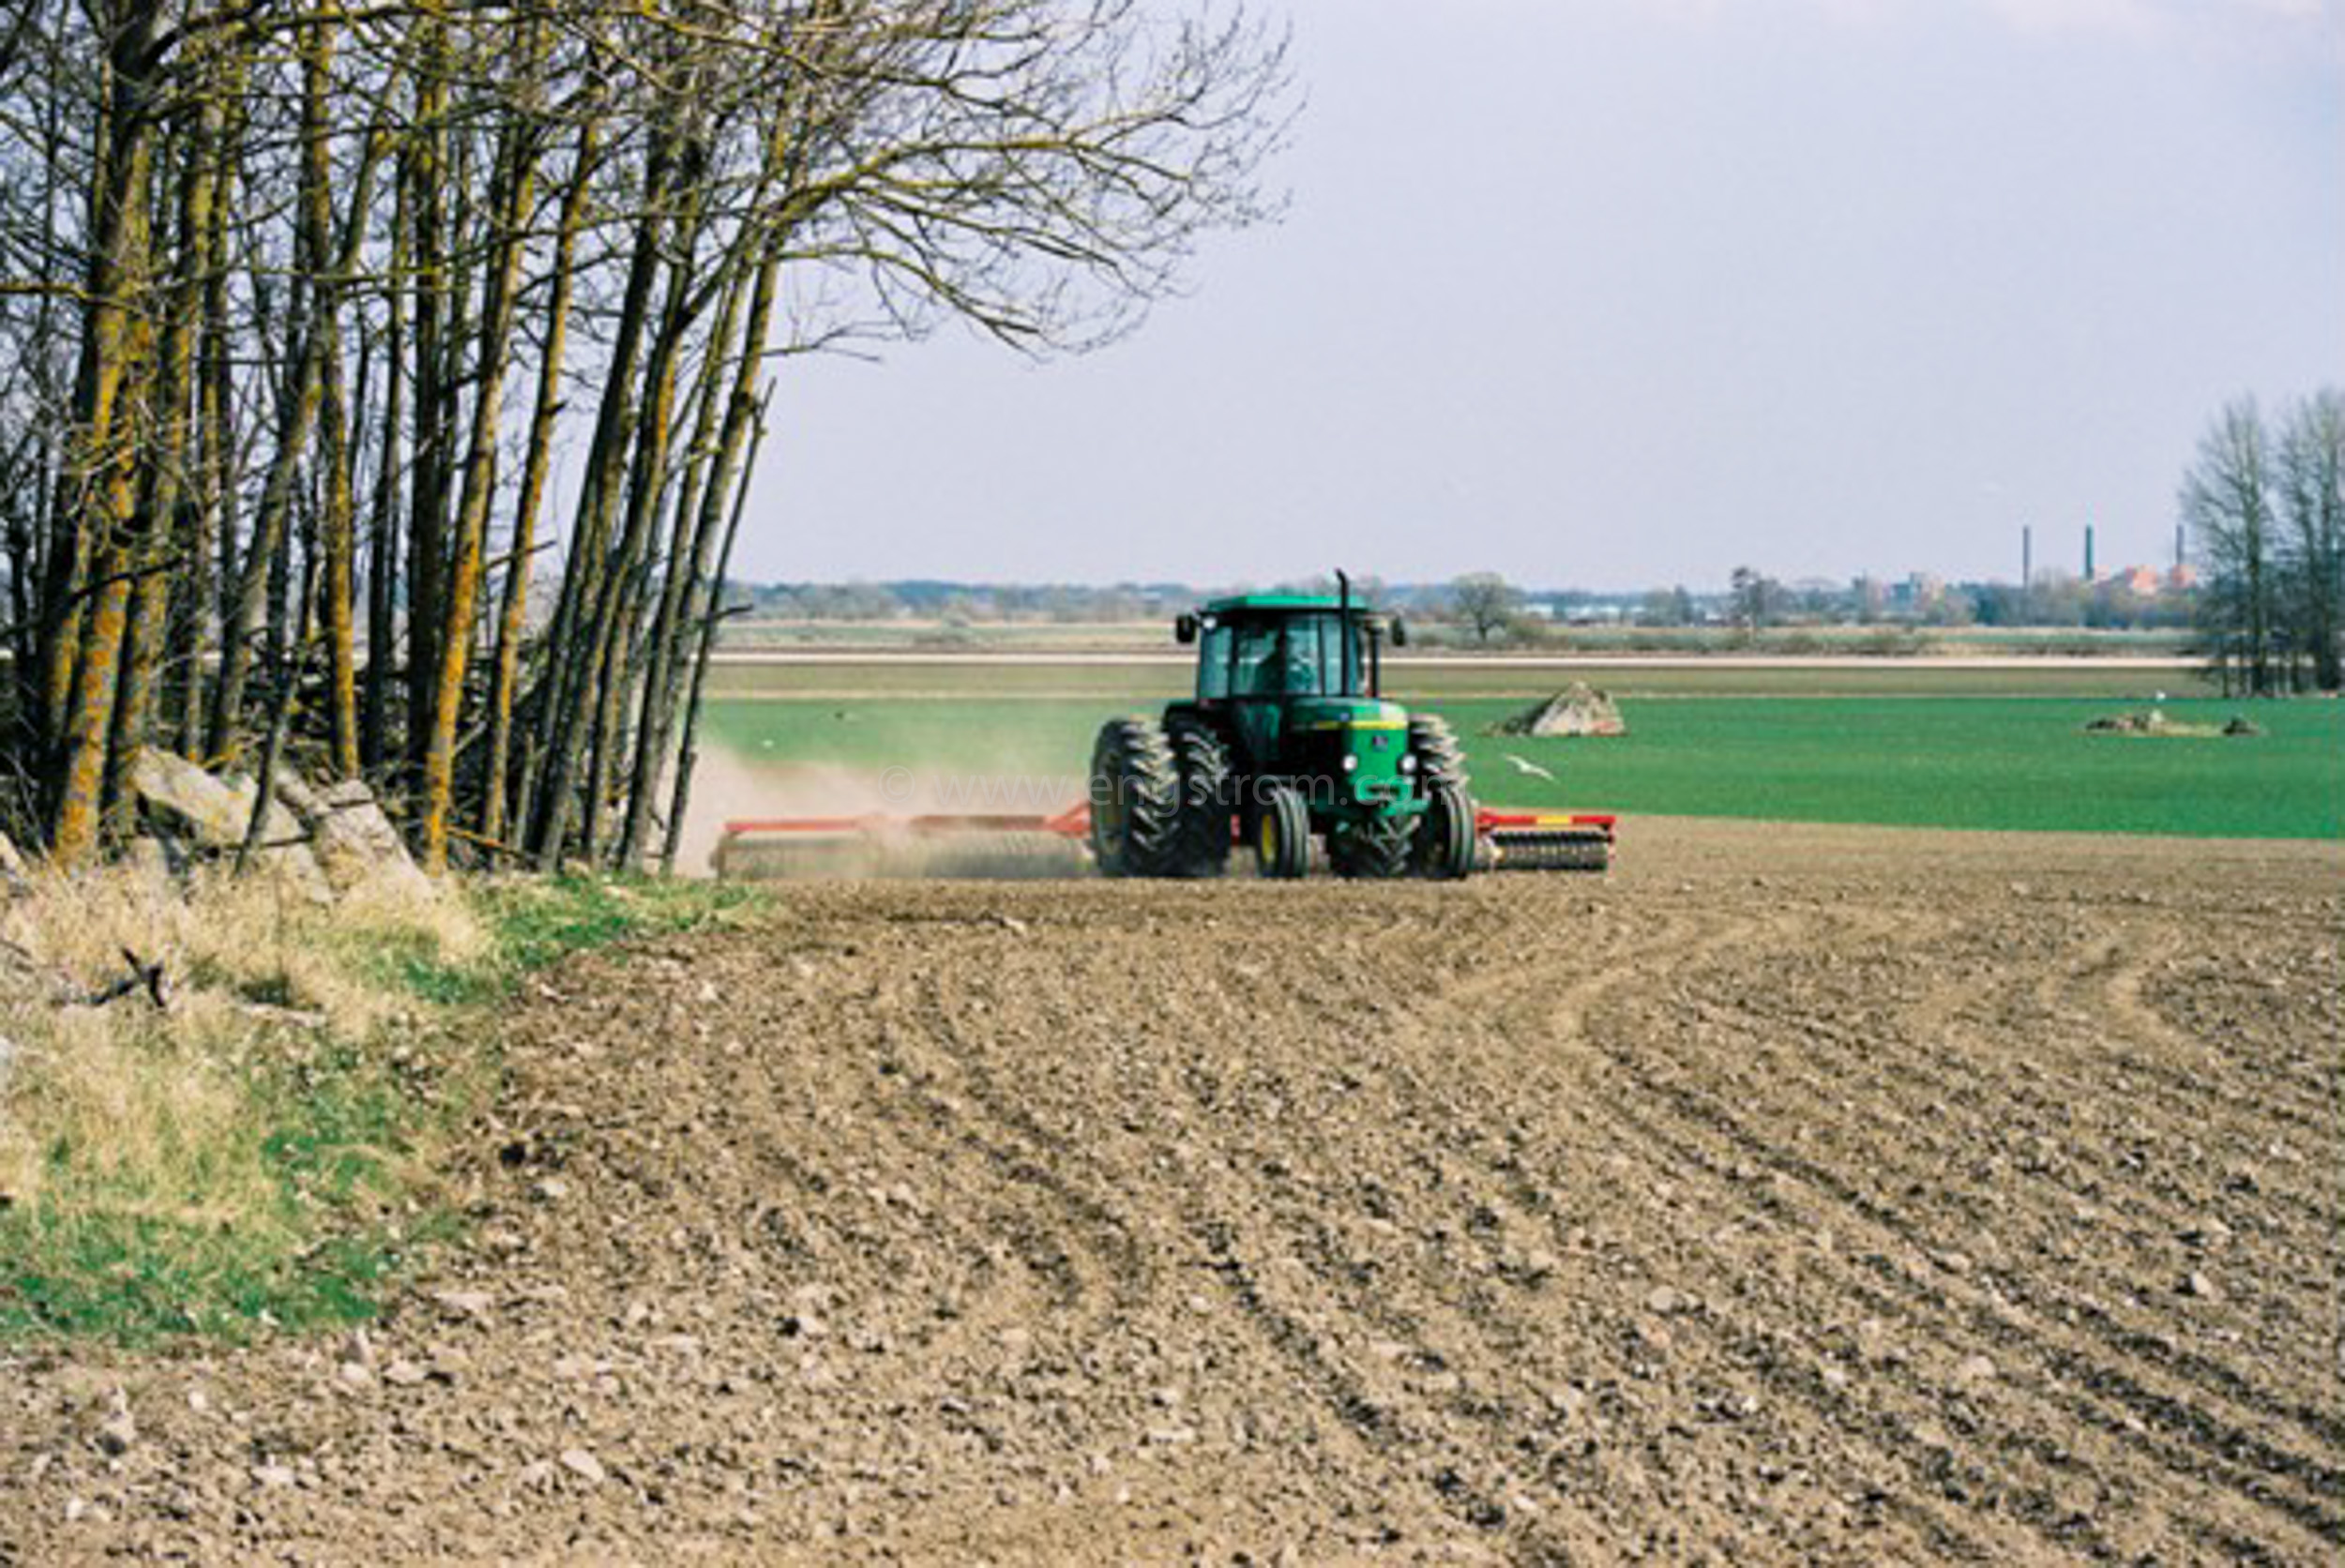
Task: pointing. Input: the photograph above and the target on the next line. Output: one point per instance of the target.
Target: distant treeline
(1483, 604)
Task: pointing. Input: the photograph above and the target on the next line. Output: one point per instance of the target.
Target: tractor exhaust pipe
(1343, 630)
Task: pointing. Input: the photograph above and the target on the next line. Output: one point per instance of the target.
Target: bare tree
(1758, 599)
(2226, 502)
(1485, 603)
(2310, 481)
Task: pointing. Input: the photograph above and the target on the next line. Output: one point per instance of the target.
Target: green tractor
(1287, 739)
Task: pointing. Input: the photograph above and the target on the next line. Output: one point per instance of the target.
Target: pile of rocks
(320, 841)
(1579, 709)
(2148, 721)
(2153, 721)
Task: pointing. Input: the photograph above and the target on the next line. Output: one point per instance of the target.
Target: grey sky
(1612, 292)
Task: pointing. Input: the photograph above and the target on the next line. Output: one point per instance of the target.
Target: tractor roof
(1272, 604)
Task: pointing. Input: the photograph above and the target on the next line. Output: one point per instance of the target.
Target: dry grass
(184, 1148)
(261, 1152)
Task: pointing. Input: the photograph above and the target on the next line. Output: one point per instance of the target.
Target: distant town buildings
(2148, 583)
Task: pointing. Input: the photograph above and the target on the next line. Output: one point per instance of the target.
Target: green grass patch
(533, 922)
(134, 1281)
(284, 1214)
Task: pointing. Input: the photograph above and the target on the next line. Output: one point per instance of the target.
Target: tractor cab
(1293, 683)
(1275, 667)
(1284, 645)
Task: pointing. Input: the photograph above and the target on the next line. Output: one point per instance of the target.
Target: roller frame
(1507, 839)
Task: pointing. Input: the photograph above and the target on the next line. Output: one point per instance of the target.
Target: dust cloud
(1013, 771)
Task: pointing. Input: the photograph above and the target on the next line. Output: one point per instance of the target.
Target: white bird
(1531, 768)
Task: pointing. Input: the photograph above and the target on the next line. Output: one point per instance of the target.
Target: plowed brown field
(1792, 1195)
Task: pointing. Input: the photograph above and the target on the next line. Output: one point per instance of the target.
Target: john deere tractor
(1287, 739)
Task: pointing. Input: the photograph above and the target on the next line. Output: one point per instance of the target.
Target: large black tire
(1375, 849)
(1440, 759)
(1282, 833)
(1444, 846)
(1135, 799)
(1207, 802)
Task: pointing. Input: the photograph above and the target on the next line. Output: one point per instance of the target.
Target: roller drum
(798, 858)
(985, 857)
(1535, 851)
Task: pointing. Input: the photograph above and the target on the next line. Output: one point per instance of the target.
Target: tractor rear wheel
(1135, 799)
(1376, 849)
(1200, 833)
(1444, 846)
(1282, 833)
(1440, 759)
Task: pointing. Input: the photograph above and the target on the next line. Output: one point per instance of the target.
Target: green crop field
(1987, 762)
(1901, 747)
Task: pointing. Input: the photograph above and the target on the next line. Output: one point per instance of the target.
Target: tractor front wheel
(1282, 833)
(1135, 799)
(1443, 849)
(1372, 850)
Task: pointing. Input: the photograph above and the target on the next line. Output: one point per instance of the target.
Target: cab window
(1260, 661)
(1213, 663)
(1300, 655)
(1315, 654)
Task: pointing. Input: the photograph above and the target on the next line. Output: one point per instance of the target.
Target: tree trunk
(693, 557)
(375, 742)
(510, 204)
(265, 549)
(513, 613)
(205, 518)
(570, 663)
(161, 528)
(118, 347)
(610, 634)
(314, 399)
(427, 541)
(712, 615)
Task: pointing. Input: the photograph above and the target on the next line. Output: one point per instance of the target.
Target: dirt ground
(1792, 1195)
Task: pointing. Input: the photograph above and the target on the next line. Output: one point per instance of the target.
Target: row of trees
(957, 603)
(2265, 503)
(1488, 610)
(304, 303)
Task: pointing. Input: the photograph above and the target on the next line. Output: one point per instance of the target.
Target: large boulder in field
(353, 835)
(1579, 709)
(216, 812)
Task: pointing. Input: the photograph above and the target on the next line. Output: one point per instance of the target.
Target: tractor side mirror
(1399, 632)
(1185, 629)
